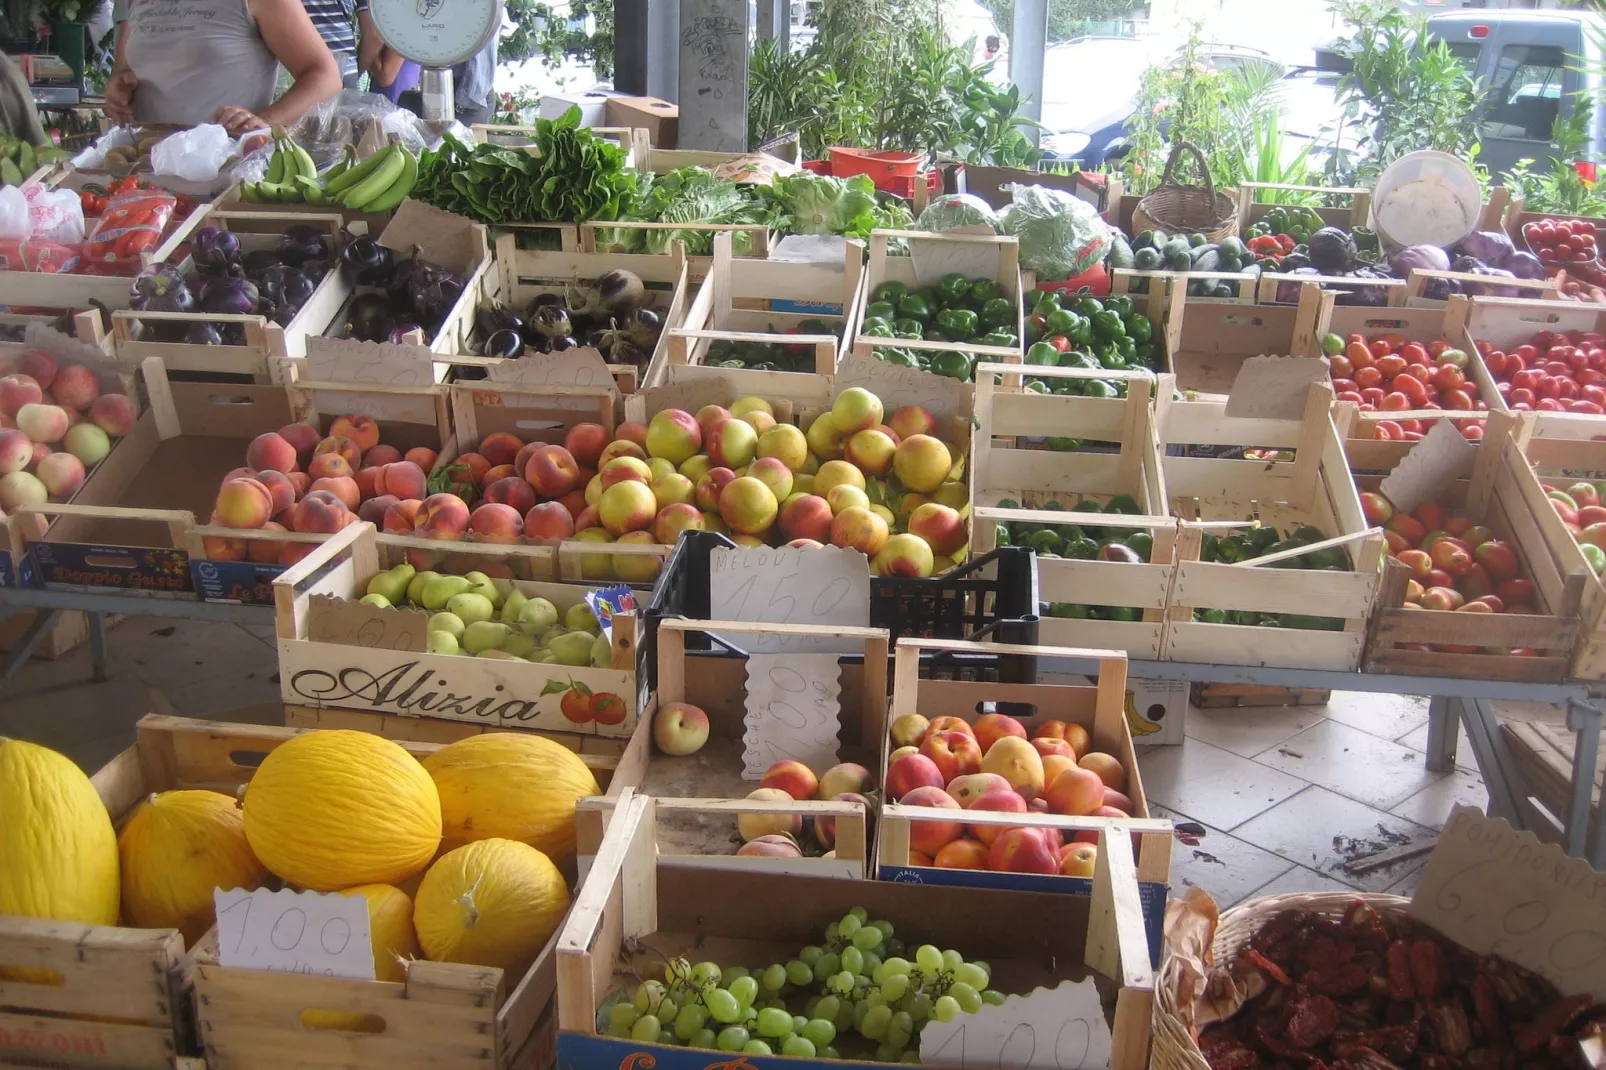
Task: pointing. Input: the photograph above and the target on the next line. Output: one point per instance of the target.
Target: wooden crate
(947, 252)
(1009, 462)
(1416, 285)
(1544, 755)
(265, 341)
(1503, 495)
(697, 266)
(1271, 288)
(1101, 709)
(1505, 322)
(632, 910)
(1367, 452)
(1164, 285)
(480, 690)
(1209, 340)
(1353, 214)
(758, 301)
(1220, 493)
(1233, 696)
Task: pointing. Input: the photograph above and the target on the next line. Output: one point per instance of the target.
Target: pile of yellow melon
(477, 832)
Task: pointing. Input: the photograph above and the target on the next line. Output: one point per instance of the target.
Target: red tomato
(1414, 352)
(1449, 377)
(1472, 432)
(1358, 354)
(1372, 394)
(1395, 402)
(1558, 367)
(1389, 429)
(1394, 340)
(1410, 387)
(1548, 405)
(1522, 396)
(1496, 362)
(1419, 371)
(1436, 347)
(1528, 378)
(1368, 376)
(1350, 395)
(1528, 352)
(1341, 367)
(1352, 339)
(1566, 388)
(1343, 385)
(1413, 436)
(1411, 425)
(1594, 408)
(1457, 399)
(1391, 365)
(1380, 348)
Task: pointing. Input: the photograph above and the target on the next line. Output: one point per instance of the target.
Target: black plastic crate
(991, 599)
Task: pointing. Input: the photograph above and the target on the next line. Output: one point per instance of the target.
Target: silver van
(1531, 66)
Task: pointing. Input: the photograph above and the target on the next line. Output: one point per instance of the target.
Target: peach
(291, 552)
(588, 519)
(476, 464)
(963, 853)
(1053, 764)
(675, 518)
(338, 444)
(621, 447)
(500, 448)
(401, 518)
(761, 421)
(950, 724)
(674, 435)
(750, 403)
(264, 551)
(1075, 792)
(625, 469)
(927, 836)
(1074, 734)
(842, 778)
(911, 420)
(40, 367)
(44, 423)
(593, 491)
(712, 522)
(770, 846)
(242, 472)
(115, 415)
(17, 391)
(365, 478)
(16, 451)
(280, 488)
(786, 444)
(404, 479)
(61, 473)
(1018, 762)
(1024, 850)
(627, 506)
(901, 752)
(380, 455)
(493, 522)
(632, 431)
(846, 496)
(710, 417)
(496, 472)
(747, 506)
(708, 486)
(835, 473)
(1107, 767)
(552, 471)
(422, 456)
(967, 789)
(21, 489)
(1079, 860)
(890, 433)
(1116, 800)
(303, 438)
(673, 488)
(217, 549)
(773, 473)
(910, 772)
(244, 503)
(40, 452)
(300, 481)
(637, 568)
(87, 442)
(442, 516)
(940, 526)
(574, 502)
(342, 487)
(594, 567)
(856, 409)
(733, 443)
(991, 727)
(903, 554)
(373, 510)
(999, 800)
(512, 491)
(871, 451)
(922, 463)
(1053, 748)
(859, 529)
(792, 777)
(75, 387)
(954, 753)
(806, 516)
(752, 826)
(585, 442)
(329, 466)
(548, 522)
(825, 827)
(363, 430)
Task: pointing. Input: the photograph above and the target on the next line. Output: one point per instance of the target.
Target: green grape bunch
(855, 991)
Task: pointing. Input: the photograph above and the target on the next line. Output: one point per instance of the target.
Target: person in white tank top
(188, 62)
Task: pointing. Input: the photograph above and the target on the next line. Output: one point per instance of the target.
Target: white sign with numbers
(295, 932)
(1059, 1028)
(793, 703)
(783, 585)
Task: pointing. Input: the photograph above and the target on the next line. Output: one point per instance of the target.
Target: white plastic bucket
(1425, 198)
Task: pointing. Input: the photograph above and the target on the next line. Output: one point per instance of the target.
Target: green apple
(471, 607)
(376, 600)
(447, 622)
(537, 615)
(416, 585)
(484, 635)
(443, 643)
(441, 589)
(579, 617)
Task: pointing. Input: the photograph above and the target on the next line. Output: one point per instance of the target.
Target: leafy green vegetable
(806, 203)
(687, 195)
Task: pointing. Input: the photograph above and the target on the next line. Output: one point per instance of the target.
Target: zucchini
(1207, 259)
(1143, 241)
(1176, 254)
(1147, 259)
(1120, 255)
(1196, 239)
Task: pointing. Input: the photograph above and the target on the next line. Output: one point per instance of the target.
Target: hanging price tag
(295, 932)
(793, 707)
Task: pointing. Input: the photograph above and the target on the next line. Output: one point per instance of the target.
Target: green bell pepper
(1138, 328)
(1107, 325)
(1120, 303)
(1005, 339)
(890, 292)
(983, 291)
(998, 312)
(953, 288)
(1099, 388)
(1044, 354)
(951, 364)
(877, 329)
(914, 307)
(957, 324)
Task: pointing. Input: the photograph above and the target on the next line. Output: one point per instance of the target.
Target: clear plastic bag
(958, 211)
(57, 215)
(197, 154)
(42, 256)
(131, 226)
(345, 119)
(1060, 235)
(15, 222)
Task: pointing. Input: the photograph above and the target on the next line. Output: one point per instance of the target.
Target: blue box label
(131, 568)
(805, 308)
(244, 582)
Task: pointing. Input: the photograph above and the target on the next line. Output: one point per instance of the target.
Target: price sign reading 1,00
(295, 932)
(1023, 1046)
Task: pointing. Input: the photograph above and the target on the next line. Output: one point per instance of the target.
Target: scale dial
(437, 33)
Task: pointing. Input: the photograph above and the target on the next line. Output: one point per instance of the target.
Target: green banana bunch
(377, 184)
(290, 168)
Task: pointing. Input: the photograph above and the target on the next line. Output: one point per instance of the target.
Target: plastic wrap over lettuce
(954, 210)
(1061, 236)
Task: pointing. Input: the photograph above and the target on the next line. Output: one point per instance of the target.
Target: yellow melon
(390, 927)
(333, 809)
(58, 853)
(176, 848)
(513, 786)
(490, 903)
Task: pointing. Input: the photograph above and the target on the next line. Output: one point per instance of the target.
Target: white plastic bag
(56, 215)
(196, 154)
(15, 222)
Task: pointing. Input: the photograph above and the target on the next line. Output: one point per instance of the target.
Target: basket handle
(1198, 157)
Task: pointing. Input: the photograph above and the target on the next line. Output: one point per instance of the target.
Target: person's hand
(238, 120)
(120, 96)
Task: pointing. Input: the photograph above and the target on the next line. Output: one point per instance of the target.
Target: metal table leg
(17, 657)
(97, 645)
(1441, 735)
(1584, 720)
(1500, 775)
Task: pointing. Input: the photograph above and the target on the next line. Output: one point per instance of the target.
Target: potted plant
(64, 19)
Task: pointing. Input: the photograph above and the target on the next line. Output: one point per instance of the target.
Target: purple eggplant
(368, 318)
(215, 250)
(296, 290)
(203, 334)
(230, 297)
(315, 270)
(496, 317)
(367, 263)
(259, 260)
(161, 288)
(301, 243)
(433, 300)
(504, 343)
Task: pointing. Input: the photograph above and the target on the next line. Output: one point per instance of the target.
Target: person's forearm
(308, 92)
(370, 45)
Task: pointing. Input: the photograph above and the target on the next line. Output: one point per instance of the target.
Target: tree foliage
(1066, 18)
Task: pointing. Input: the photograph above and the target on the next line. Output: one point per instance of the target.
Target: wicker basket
(1174, 1045)
(1176, 208)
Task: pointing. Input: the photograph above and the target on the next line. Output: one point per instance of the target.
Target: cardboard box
(591, 102)
(659, 118)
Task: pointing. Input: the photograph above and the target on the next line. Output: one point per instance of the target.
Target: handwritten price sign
(295, 932)
(1052, 1029)
(828, 586)
(793, 707)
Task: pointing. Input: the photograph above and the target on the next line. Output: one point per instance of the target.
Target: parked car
(1085, 123)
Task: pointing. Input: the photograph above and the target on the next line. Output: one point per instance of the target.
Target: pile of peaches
(55, 425)
(996, 764)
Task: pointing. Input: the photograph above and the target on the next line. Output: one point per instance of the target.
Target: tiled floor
(1284, 795)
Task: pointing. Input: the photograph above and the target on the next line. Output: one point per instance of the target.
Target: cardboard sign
(811, 249)
(1443, 456)
(793, 708)
(934, 258)
(582, 366)
(1061, 1028)
(689, 394)
(1497, 891)
(828, 586)
(346, 360)
(1275, 388)
(295, 932)
(898, 386)
(349, 623)
(452, 241)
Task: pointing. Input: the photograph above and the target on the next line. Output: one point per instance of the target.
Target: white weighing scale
(437, 35)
